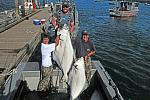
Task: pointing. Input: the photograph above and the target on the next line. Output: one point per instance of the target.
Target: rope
(9, 73)
(13, 71)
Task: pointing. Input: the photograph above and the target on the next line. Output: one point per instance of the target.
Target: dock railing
(19, 56)
(9, 18)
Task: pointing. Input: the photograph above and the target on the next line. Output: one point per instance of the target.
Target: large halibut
(77, 79)
(63, 54)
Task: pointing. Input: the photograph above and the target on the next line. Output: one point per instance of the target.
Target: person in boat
(47, 67)
(85, 48)
(63, 17)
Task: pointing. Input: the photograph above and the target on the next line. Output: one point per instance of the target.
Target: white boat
(124, 9)
(148, 4)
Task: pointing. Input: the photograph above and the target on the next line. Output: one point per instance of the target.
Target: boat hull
(123, 13)
(124, 9)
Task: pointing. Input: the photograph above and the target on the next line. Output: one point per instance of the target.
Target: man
(85, 48)
(64, 17)
(47, 68)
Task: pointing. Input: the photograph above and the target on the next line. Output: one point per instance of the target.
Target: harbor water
(7, 5)
(123, 45)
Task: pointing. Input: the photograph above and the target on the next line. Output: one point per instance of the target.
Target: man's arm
(56, 42)
(72, 23)
(53, 21)
(91, 52)
(89, 55)
(71, 26)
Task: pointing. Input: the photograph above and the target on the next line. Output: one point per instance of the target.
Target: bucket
(36, 22)
(43, 21)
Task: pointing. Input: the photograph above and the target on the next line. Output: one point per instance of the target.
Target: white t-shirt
(46, 50)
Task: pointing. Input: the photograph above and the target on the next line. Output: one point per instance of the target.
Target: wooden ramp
(18, 43)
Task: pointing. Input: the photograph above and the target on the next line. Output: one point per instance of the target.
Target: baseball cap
(65, 4)
(85, 32)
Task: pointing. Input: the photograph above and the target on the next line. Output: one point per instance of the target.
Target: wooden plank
(18, 36)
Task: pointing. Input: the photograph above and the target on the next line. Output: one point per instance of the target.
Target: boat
(112, 2)
(22, 81)
(148, 4)
(124, 9)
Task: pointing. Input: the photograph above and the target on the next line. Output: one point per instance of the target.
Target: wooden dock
(18, 43)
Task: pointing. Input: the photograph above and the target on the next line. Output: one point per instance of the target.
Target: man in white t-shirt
(47, 67)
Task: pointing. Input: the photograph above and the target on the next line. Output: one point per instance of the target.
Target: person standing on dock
(47, 67)
(85, 48)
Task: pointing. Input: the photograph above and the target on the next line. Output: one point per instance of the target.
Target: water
(7, 5)
(123, 46)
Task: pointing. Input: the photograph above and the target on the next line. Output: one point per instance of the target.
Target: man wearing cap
(64, 17)
(85, 48)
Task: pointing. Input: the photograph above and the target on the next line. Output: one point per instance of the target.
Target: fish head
(79, 62)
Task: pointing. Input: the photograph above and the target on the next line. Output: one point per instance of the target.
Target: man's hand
(57, 40)
(86, 58)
